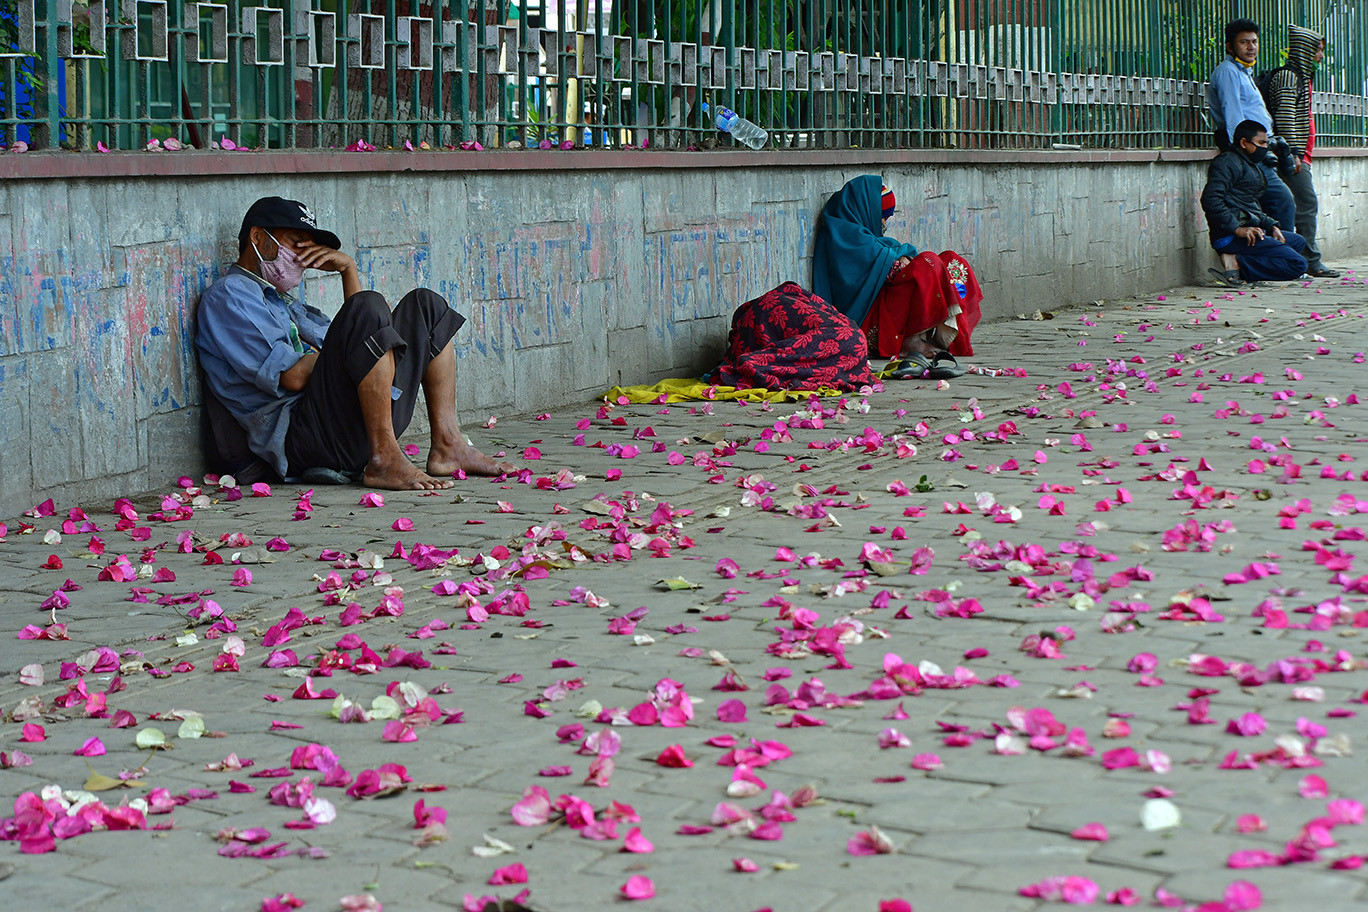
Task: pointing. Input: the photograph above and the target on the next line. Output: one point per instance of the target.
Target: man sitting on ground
(1249, 241)
(316, 395)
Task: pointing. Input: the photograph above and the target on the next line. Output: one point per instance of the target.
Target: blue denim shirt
(244, 346)
(1233, 97)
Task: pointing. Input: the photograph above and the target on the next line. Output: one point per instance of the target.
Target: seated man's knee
(368, 307)
(426, 300)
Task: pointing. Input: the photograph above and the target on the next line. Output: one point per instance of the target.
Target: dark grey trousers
(1303, 189)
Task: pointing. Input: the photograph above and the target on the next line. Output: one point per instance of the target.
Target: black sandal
(1229, 279)
(916, 366)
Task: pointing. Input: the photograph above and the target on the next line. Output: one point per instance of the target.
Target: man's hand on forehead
(294, 238)
(316, 256)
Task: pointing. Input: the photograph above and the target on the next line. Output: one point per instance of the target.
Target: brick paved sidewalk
(919, 639)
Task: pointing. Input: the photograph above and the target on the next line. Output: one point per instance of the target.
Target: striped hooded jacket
(1290, 89)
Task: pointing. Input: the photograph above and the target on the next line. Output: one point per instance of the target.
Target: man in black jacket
(1249, 241)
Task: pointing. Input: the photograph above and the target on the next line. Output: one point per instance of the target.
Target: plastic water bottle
(742, 130)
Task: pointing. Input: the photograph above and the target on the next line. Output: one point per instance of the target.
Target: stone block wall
(577, 272)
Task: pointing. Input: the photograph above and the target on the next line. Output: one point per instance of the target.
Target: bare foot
(917, 345)
(461, 457)
(398, 474)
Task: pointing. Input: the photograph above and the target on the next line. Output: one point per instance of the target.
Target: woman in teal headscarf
(918, 307)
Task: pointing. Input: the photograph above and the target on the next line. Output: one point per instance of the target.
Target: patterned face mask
(285, 272)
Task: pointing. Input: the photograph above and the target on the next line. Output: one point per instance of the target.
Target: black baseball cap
(277, 212)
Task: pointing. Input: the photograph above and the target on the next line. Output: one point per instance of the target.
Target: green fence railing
(121, 74)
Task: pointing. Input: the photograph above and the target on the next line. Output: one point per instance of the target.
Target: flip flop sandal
(915, 366)
(1229, 279)
(944, 367)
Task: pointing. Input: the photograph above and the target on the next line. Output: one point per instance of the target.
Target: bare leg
(387, 466)
(449, 452)
(1228, 262)
(943, 336)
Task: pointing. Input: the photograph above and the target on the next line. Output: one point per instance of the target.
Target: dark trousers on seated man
(325, 429)
(1268, 260)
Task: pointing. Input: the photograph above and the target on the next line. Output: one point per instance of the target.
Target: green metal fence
(120, 74)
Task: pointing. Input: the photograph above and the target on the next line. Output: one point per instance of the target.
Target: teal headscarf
(852, 258)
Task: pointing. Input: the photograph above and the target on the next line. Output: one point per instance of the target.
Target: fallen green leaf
(384, 707)
(191, 728)
(152, 738)
(675, 583)
(99, 782)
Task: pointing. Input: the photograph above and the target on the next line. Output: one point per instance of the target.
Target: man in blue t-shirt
(313, 394)
(1233, 97)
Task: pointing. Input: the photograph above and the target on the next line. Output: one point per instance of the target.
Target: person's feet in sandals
(1229, 279)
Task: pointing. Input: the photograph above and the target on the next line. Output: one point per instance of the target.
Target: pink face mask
(285, 272)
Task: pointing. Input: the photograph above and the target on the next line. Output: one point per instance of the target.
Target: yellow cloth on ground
(691, 389)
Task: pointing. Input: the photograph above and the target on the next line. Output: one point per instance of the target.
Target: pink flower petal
(1253, 858)
(637, 843)
(510, 874)
(534, 809)
(870, 842)
(1094, 832)
(673, 757)
(638, 887)
(399, 731)
(1242, 895)
(93, 747)
(1313, 786)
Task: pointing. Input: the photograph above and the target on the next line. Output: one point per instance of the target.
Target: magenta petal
(638, 887)
(510, 874)
(1313, 786)
(1095, 832)
(770, 830)
(397, 730)
(535, 807)
(93, 747)
(635, 842)
(1242, 895)
(1253, 858)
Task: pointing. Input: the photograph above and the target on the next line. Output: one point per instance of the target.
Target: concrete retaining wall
(577, 271)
